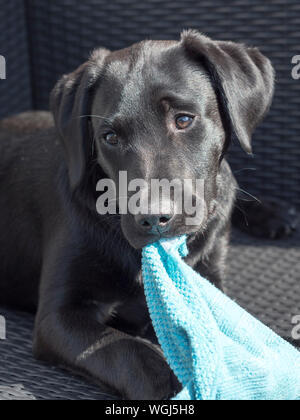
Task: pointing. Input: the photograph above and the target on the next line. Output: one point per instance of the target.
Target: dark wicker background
(63, 32)
(15, 91)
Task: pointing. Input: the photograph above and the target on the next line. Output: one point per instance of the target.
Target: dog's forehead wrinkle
(141, 68)
(136, 83)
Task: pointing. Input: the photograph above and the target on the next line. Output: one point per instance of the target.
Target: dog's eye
(183, 121)
(111, 138)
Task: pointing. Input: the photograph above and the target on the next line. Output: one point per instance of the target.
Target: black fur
(83, 271)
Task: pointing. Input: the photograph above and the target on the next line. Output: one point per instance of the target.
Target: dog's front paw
(154, 379)
(270, 219)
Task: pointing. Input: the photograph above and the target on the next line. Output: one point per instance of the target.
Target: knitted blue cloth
(216, 349)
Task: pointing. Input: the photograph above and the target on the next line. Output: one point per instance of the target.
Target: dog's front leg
(133, 368)
(71, 332)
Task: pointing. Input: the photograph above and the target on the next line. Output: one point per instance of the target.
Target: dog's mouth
(139, 238)
(154, 217)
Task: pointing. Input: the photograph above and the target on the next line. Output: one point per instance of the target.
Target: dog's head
(162, 110)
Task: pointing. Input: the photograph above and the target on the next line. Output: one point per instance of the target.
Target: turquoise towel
(216, 349)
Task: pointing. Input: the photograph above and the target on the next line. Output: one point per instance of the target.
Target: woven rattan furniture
(44, 39)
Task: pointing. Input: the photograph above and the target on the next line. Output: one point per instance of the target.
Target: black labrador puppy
(159, 109)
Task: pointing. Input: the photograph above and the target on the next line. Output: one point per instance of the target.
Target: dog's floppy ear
(70, 103)
(242, 77)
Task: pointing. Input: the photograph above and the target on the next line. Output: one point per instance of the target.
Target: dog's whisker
(244, 214)
(246, 200)
(250, 195)
(244, 169)
(92, 116)
(93, 145)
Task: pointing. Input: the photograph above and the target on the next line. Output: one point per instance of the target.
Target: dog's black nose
(154, 223)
